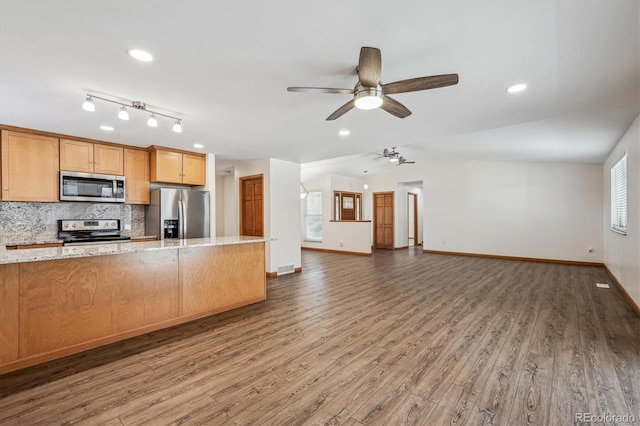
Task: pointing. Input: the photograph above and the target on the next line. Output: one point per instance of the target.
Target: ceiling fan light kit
(123, 114)
(368, 97)
(370, 93)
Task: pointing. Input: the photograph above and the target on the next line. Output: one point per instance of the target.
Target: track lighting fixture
(123, 113)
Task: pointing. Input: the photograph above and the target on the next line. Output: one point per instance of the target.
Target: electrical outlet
(341, 243)
(590, 249)
(127, 227)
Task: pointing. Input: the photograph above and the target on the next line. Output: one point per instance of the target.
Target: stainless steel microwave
(78, 186)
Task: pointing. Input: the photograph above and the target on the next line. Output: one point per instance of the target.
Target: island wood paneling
(218, 278)
(50, 309)
(71, 301)
(9, 311)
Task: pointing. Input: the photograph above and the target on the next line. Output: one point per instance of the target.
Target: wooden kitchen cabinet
(30, 167)
(136, 173)
(90, 157)
(177, 166)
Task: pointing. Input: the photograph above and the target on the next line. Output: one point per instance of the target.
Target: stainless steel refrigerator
(178, 213)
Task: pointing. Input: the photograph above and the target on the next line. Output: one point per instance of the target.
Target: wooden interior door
(252, 206)
(412, 210)
(383, 220)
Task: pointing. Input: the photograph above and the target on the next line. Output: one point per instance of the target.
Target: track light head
(123, 114)
(88, 104)
(177, 127)
(152, 122)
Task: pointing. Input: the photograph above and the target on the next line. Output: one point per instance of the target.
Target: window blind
(619, 195)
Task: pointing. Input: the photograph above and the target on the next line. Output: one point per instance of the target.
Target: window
(313, 216)
(619, 196)
(346, 205)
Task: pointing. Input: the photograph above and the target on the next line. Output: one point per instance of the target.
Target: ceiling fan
(394, 156)
(370, 93)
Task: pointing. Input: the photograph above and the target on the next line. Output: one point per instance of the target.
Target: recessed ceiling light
(107, 128)
(344, 132)
(198, 145)
(517, 88)
(140, 55)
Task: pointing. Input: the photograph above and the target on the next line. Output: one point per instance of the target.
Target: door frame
(241, 198)
(393, 215)
(415, 216)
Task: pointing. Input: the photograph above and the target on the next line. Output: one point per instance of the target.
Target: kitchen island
(62, 300)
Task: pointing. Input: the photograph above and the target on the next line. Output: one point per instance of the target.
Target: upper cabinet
(30, 167)
(177, 166)
(136, 174)
(91, 157)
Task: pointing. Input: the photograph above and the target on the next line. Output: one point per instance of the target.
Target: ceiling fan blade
(369, 66)
(342, 110)
(420, 83)
(394, 107)
(320, 90)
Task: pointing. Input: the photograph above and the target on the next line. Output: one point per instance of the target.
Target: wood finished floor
(400, 337)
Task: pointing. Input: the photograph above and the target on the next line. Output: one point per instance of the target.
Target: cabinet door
(166, 166)
(76, 156)
(108, 159)
(30, 167)
(193, 169)
(136, 173)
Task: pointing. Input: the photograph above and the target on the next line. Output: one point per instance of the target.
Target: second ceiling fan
(370, 93)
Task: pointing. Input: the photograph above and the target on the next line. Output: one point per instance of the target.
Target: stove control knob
(73, 225)
(113, 224)
(65, 226)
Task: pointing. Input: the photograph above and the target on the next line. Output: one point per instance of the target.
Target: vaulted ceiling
(223, 68)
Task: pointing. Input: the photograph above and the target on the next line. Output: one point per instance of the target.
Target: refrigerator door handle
(184, 221)
(180, 220)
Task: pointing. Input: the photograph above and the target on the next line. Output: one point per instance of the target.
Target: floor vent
(287, 269)
(600, 285)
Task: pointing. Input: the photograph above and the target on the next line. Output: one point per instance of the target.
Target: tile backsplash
(22, 222)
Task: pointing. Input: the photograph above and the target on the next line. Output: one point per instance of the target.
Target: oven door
(77, 186)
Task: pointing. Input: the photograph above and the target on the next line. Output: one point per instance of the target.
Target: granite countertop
(59, 241)
(68, 252)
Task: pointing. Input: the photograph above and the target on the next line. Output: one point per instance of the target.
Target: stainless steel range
(90, 231)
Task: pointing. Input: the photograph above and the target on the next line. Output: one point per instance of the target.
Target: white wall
(524, 209)
(342, 236)
(231, 205)
(540, 210)
(622, 252)
(220, 207)
(285, 214)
